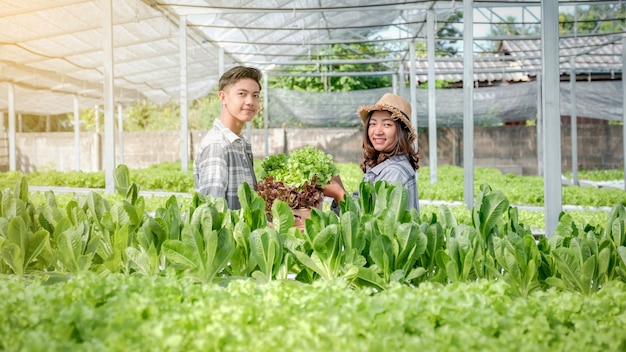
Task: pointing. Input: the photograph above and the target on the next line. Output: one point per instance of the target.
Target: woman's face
(381, 130)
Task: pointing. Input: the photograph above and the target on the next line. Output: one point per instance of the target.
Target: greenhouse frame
(60, 56)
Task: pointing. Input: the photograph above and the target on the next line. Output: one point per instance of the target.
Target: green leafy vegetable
(301, 167)
(294, 179)
(273, 163)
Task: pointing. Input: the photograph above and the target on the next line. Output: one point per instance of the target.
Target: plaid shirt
(223, 163)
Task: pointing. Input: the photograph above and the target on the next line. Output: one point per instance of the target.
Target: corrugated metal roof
(593, 53)
(520, 59)
(486, 69)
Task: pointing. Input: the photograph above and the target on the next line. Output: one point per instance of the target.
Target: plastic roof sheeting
(52, 51)
(285, 27)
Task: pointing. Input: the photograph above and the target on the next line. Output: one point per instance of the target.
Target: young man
(224, 160)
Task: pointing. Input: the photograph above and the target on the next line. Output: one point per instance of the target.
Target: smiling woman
(388, 143)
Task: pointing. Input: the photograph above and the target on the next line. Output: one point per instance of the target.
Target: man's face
(241, 99)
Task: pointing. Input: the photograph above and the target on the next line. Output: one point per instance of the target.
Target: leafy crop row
(519, 190)
(105, 274)
(90, 312)
(375, 242)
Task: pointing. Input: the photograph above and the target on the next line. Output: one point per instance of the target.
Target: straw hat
(396, 105)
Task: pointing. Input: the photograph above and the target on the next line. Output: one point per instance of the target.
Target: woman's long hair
(402, 146)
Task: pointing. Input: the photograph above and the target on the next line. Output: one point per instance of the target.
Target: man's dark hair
(239, 72)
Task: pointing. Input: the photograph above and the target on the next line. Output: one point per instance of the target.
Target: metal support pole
(266, 114)
(574, 120)
(220, 62)
(109, 122)
(120, 134)
(96, 110)
(413, 89)
(76, 133)
(401, 80)
(11, 101)
(184, 124)
(220, 67)
(624, 105)
(432, 111)
(539, 127)
(552, 114)
(468, 103)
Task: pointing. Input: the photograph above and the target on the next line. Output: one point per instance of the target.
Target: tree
(450, 29)
(511, 27)
(392, 50)
(594, 19)
(322, 82)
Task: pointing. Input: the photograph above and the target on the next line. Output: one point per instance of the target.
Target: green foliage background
(520, 190)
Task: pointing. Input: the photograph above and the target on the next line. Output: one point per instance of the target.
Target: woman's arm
(335, 189)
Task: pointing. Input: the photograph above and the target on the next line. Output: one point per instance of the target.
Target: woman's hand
(335, 189)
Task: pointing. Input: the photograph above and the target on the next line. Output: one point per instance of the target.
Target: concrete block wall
(142, 149)
(56, 151)
(344, 144)
(275, 142)
(599, 147)
(511, 149)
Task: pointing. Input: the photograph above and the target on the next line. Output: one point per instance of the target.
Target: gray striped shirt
(396, 169)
